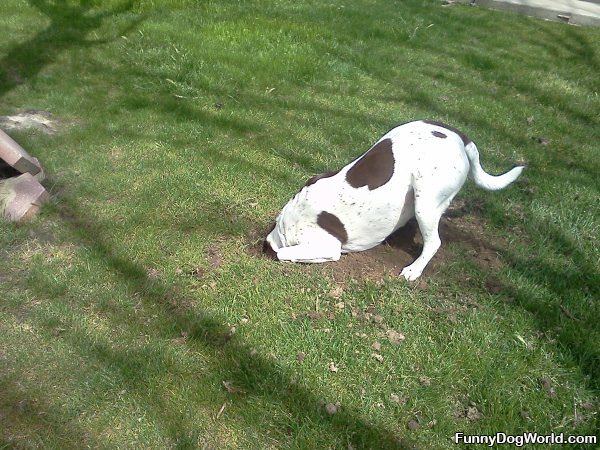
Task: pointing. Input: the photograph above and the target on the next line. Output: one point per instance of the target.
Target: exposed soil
(460, 224)
(33, 118)
(380, 262)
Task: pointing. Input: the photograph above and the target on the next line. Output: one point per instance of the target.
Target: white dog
(416, 169)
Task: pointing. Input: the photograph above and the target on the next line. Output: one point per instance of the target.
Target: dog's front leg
(317, 252)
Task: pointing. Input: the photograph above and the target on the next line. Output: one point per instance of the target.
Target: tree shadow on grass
(165, 103)
(575, 46)
(295, 151)
(70, 25)
(562, 300)
(257, 375)
(562, 283)
(23, 412)
(565, 285)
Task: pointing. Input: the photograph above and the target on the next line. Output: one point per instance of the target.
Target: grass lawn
(135, 311)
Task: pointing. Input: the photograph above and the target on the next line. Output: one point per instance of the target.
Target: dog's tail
(485, 180)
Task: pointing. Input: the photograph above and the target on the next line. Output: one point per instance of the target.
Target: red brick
(21, 197)
(16, 156)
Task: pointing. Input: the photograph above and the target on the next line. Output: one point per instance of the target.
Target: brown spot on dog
(438, 134)
(375, 168)
(316, 178)
(333, 225)
(463, 136)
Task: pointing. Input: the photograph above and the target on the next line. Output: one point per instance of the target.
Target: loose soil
(460, 224)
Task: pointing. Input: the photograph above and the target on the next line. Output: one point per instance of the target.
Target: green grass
(189, 124)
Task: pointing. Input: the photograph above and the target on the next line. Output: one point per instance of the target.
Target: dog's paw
(410, 273)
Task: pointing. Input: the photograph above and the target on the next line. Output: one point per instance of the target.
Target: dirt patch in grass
(32, 119)
(461, 224)
(214, 260)
(385, 260)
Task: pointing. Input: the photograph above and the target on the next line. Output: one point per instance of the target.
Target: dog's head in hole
(266, 247)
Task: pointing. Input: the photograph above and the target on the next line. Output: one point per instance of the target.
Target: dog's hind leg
(437, 179)
(428, 221)
(428, 212)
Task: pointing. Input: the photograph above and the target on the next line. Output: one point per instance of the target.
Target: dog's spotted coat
(416, 169)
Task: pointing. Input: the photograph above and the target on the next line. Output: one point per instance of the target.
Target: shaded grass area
(191, 123)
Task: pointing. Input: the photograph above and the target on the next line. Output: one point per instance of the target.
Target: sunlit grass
(187, 125)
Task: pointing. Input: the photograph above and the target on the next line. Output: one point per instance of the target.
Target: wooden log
(16, 156)
(21, 197)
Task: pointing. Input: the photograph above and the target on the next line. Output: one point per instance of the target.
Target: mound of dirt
(400, 249)
(386, 260)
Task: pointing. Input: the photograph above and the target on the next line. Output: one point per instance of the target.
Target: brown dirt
(460, 224)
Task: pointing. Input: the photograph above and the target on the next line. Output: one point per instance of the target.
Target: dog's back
(373, 196)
